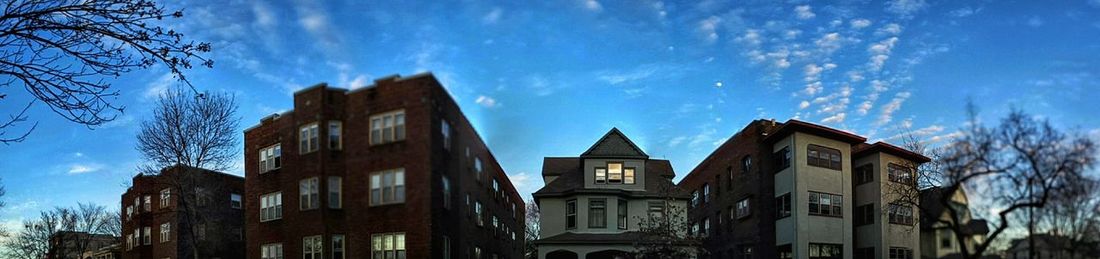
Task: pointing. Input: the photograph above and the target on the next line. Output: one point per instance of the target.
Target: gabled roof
(615, 144)
(570, 180)
(792, 126)
(864, 149)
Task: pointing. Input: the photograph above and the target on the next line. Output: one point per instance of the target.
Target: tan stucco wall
(801, 229)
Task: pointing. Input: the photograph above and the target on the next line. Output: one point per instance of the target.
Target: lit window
(165, 197)
(165, 232)
(614, 172)
(387, 127)
(387, 187)
(628, 175)
(235, 201)
(308, 194)
(271, 158)
(271, 206)
(337, 246)
(271, 251)
(601, 175)
(335, 141)
(312, 247)
(388, 245)
(307, 138)
(335, 187)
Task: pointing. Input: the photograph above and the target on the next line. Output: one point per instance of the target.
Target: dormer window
(614, 173)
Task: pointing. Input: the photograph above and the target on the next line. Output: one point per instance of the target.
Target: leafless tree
(1075, 214)
(188, 133)
(667, 234)
(59, 233)
(63, 52)
(1020, 163)
(532, 231)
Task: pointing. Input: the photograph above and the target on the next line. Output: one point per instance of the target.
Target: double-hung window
(864, 174)
(335, 188)
(148, 206)
(165, 232)
(597, 213)
(706, 193)
(147, 235)
(271, 158)
(571, 214)
(899, 174)
(388, 246)
(338, 246)
(235, 201)
(825, 204)
(307, 138)
(901, 253)
(387, 187)
(820, 156)
(446, 192)
(783, 206)
(477, 213)
(271, 206)
(614, 172)
(900, 214)
(826, 251)
(782, 159)
(445, 130)
(387, 127)
(746, 164)
(743, 208)
(311, 247)
(271, 251)
(165, 197)
(335, 135)
(308, 198)
(622, 214)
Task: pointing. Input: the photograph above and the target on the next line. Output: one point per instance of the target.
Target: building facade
(786, 190)
(937, 239)
(183, 211)
(391, 170)
(591, 206)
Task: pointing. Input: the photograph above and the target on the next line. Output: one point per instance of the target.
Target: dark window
(820, 156)
(900, 214)
(656, 209)
(865, 214)
(783, 206)
(695, 198)
(826, 251)
(571, 214)
(899, 174)
(746, 164)
(717, 185)
(706, 193)
(745, 251)
(901, 253)
(597, 213)
(743, 208)
(865, 253)
(784, 251)
(622, 214)
(782, 159)
(864, 174)
(729, 180)
(824, 204)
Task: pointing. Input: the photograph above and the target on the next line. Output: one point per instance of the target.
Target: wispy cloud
(592, 5)
(804, 12)
(485, 101)
(158, 87)
(492, 16)
(709, 28)
(860, 23)
(893, 106)
(906, 8)
(84, 168)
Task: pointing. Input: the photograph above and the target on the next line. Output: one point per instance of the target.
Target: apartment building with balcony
(390, 170)
(591, 206)
(787, 190)
(164, 214)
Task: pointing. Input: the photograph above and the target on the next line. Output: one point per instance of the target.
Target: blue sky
(547, 78)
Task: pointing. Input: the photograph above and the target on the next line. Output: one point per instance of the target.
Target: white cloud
(877, 87)
(356, 82)
(829, 42)
(889, 29)
(676, 141)
(803, 105)
(906, 8)
(891, 107)
(493, 16)
(265, 17)
(709, 29)
(836, 118)
(965, 11)
(487, 102)
(315, 21)
(880, 52)
(803, 12)
(592, 5)
(521, 181)
(84, 168)
(860, 23)
(751, 37)
(1035, 21)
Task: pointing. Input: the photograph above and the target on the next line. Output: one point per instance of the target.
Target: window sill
(827, 216)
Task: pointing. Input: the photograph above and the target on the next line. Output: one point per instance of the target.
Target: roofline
(893, 150)
(794, 125)
(628, 141)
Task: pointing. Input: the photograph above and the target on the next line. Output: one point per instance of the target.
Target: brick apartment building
(391, 170)
(787, 190)
(156, 221)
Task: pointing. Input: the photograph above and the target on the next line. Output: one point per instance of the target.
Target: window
(782, 159)
(746, 164)
(129, 212)
(200, 196)
(308, 198)
(477, 168)
(271, 206)
(271, 158)
(865, 252)
(824, 251)
(899, 174)
(307, 138)
(783, 206)
(387, 127)
(694, 229)
(746, 251)
(129, 242)
(656, 209)
(824, 204)
(900, 214)
(705, 227)
(446, 192)
(820, 156)
(694, 198)
(338, 246)
(148, 206)
(614, 172)
(235, 201)
(311, 247)
(706, 193)
(388, 245)
(945, 238)
(597, 213)
(743, 208)
(864, 174)
(165, 196)
(477, 252)
(729, 179)
(445, 130)
(165, 232)
(200, 232)
(865, 215)
(271, 251)
(335, 188)
(496, 185)
(601, 175)
(387, 187)
(146, 235)
(784, 251)
(628, 175)
(622, 214)
(477, 213)
(901, 253)
(571, 214)
(446, 247)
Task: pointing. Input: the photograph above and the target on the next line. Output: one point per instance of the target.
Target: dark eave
(792, 126)
(884, 147)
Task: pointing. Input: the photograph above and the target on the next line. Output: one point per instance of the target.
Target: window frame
(899, 174)
(783, 158)
(895, 215)
(813, 157)
(396, 187)
(339, 246)
(237, 203)
(275, 206)
(309, 138)
(272, 154)
(864, 174)
(445, 131)
(571, 214)
(396, 131)
(746, 164)
(313, 247)
(622, 213)
(898, 252)
(165, 232)
(835, 205)
(335, 135)
(309, 194)
(335, 191)
(864, 215)
(275, 249)
(784, 206)
(396, 248)
(165, 197)
(597, 205)
(839, 248)
(746, 210)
